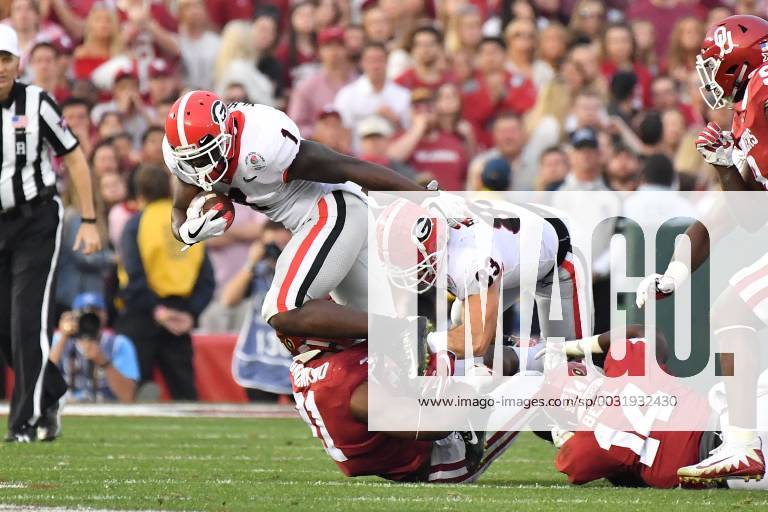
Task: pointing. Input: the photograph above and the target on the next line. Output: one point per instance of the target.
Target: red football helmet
(198, 128)
(404, 228)
(731, 51)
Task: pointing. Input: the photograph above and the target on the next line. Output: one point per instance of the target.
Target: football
(221, 203)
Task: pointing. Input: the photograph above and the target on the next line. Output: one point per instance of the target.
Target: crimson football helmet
(199, 131)
(731, 51)
(405, 230)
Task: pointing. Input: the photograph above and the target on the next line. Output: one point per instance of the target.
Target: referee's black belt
(563, 238)
(26, 208)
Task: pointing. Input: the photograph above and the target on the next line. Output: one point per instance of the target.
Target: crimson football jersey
(750, 127)
(322, 388)
(649, 455)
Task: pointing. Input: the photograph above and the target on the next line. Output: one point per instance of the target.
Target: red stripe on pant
(568, 266)
(298, 259)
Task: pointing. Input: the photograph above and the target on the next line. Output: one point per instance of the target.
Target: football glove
(202, 228)
(715, 145)
(661, 285)
(450, 207)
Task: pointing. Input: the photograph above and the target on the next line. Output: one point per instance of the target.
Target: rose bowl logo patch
(255, 161)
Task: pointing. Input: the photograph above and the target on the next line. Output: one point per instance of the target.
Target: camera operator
(98, 364)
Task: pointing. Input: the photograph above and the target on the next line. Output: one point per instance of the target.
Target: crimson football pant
(29, 250)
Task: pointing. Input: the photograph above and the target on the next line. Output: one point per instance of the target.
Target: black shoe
(49, 426)
(474, 443)
(25, 434)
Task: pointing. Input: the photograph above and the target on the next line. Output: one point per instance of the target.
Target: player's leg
(314, 263)
(738, 313)
(560, 307)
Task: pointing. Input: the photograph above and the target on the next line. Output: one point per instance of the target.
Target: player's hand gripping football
(201, 228)
(715, 145)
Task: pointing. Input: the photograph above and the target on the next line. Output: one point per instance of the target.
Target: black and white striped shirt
(31, 127)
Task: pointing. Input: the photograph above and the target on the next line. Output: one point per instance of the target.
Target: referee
(31, 128)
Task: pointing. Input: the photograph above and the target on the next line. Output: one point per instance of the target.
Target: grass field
(274, 464)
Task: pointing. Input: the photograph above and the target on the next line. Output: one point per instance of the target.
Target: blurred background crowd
(478, 94)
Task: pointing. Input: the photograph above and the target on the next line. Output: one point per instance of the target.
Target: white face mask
(199, 163)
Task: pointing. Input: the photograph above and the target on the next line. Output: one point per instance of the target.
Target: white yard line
(179, 410)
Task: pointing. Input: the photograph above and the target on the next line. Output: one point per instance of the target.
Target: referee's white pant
(29, 252)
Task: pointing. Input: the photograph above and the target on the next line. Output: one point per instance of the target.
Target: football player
(331, 393)
(482, 258)
(733, 74)
(255, 155)
(645, 457)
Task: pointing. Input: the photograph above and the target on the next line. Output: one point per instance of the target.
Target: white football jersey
(267, 141)
(481, 253)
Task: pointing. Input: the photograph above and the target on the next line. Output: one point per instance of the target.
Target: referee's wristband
(85, 220)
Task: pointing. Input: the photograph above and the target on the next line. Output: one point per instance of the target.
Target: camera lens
(88, 325)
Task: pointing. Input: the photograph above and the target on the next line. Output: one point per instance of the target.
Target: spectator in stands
(494, 90)
(135, 115)
(166, 289)
(428, 70)
(98, 365)
(465, 30)
(553, 167)
(330, 130)
(148, 30)
(152, 146)
(663, 14)
(650, 130)
(509, 142)
(586, 58)
(198, 44)
(624, 102)
(76, 113)
(646, 205)
(622, 171)
(552, 47)
(376, 25)
(373, 94)
(645, 41)
(684, 46)
(222, 12)
(496, 175)
(25, 19)
(113, 190)
(588, 19)
(316, 91)
(432, 152)
(673, 132)
(586, 170)
(354, 42)
(104, 159)
(128, 157)
(44, 71)
(588, 111)
(235, 93)
(101, 41)
(619, 55)
(375, 134)
(70, 14)
(110, 125)
(298, 47)
(78, 272)
(162, 84)
(521, 38)
(264, 34)
(665, 93)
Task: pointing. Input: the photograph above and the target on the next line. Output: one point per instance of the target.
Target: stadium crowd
(478, 94)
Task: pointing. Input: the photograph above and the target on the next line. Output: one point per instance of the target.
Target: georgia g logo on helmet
(422, 229)
(219, 112)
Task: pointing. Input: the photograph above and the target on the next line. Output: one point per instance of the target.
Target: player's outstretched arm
(317, 162)
(483, 315)
(183, 193)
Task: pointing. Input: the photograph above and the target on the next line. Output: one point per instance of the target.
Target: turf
(274, 464)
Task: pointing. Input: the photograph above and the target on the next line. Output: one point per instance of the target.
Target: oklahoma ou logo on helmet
(218, 112)
(723, 39)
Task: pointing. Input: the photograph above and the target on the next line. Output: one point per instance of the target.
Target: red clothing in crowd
(444, 156)
(479, 108)
(644, 79)
(283, 55)
(409, 80)
(158, 12)
(663, 19)
(83, 67)
(222, 12)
